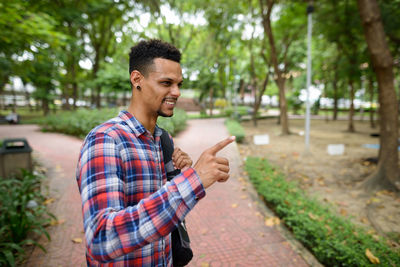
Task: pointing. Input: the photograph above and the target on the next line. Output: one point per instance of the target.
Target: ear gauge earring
(138, 87)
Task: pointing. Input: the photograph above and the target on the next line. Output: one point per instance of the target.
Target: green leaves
(333, 240)
(20, 220)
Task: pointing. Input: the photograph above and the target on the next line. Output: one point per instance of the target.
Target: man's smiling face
(161, 87)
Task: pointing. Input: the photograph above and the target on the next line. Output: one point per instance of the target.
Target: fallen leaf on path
(329, 229)
(312, 216)
(258, 214)
(204, 231)
(243, 197)
(205, 264)
(58, 168)
(77, 240)
(272, 221)
(235, 205)
(48, 201)
(354, 194)
(366, 163)
(371, 257)
(373, 200)
(343, 204)
(387, 193)
(364, 220)
(371, 232)
(343, 212)
(56, 222)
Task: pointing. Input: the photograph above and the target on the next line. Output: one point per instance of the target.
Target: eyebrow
(171, 80)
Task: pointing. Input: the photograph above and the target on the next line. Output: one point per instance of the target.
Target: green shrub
(234, 128)
(334, 240)
(22, 214)
(77, 123)
(174, 124)
(80, 122)
(241, 110)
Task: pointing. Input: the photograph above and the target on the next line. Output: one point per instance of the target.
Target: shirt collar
(137, 128)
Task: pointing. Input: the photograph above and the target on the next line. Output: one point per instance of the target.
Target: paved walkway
(226, 228)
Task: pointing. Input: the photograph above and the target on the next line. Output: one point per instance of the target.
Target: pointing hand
(211, 168)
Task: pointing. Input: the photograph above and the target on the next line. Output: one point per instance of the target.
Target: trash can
(15, 154)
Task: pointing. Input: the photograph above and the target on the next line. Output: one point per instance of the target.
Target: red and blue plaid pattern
(129, 209)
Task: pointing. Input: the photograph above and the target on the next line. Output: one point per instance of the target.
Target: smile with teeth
(170, 101)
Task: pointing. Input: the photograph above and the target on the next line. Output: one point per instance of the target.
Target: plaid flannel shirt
(129, 209)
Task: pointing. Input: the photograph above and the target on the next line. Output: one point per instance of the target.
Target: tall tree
(387, 172)
(23, 29)
(290, 30)
(105, 18)
(266, 10)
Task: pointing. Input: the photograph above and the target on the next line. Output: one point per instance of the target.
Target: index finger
(220, 145)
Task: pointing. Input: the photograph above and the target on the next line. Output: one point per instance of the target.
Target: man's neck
(148, 121)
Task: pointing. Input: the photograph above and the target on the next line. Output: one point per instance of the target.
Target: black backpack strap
(168, 149)
(182, 254)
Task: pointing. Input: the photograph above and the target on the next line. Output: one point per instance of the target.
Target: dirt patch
(333, 179)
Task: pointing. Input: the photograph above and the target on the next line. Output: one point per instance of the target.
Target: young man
(129, 209)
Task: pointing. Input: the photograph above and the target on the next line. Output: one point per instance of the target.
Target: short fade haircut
(142, 55)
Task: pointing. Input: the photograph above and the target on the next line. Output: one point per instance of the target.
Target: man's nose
(175, 91)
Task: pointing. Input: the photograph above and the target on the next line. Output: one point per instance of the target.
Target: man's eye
(166, 83)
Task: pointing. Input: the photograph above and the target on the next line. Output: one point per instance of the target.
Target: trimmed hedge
(334, 240)
(234, 128)
(80, 122)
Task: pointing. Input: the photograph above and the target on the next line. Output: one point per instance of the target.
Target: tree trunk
(27, 96)
(241, 90)
(335, 93)
(96, 93)
(335, 102)
(125, 99)
(45, 106)
(284, 120)
(371, 100)
(351, 111)
(65, 95)
(211, 103)
(75, 93)
(14, 96)
(280, 80)
(258, 99)
(387, 172)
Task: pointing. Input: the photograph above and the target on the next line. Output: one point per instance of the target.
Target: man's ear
(136, 78)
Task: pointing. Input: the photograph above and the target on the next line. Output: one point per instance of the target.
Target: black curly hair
(142, 55)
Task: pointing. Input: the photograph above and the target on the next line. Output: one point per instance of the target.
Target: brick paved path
(226, 227)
